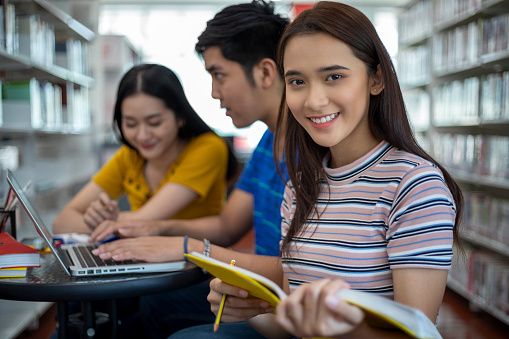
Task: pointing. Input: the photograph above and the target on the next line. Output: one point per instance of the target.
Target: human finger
(238, 305)
(99, 208)
(102, 231)
(92, 219)
(106, 251)
(343, 310)
(333, 315)
(291, 309)
(313, 295)
(220, 287)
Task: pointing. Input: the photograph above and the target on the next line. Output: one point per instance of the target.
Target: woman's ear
(265, 72)
(376, 82)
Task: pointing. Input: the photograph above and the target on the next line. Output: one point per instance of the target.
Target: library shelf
(460, 71)
(488, 8)
(50, 77)
(458, 287)
(464, 123)
(415, 41)
(488, 308)
(20, 66)
(479, 126)
(56, 159)
(416, 85)
(493, 7)
(13, 131)
(480, 180)
(476, 300)
(498, 59)
(65, 25)
(484, 241)
(478, 78)
(467, 16)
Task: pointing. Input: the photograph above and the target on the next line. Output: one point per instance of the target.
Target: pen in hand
(221, 305)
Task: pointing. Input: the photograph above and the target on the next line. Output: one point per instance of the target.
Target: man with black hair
(238, 47)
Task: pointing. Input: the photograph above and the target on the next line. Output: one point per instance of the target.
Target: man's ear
(376, 82)
(265, 72)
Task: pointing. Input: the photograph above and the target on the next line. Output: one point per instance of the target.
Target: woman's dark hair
(160, 82)
(387, 114)
(245, 33)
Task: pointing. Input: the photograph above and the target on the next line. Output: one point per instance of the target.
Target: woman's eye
(127, 125)
(218, 76)
(296, 82)
(154, 123)
(333, 77)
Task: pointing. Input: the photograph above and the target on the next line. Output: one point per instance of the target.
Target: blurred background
(61, 60)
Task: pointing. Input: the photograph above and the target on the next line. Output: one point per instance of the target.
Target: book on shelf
(15, 254)
(72, 55)
(13, 272)
(377, 309)
(36, 39)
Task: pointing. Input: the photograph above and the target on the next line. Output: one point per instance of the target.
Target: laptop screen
(34, 216)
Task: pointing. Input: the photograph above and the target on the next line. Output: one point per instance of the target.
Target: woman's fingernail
(243, 294)
(332, 301)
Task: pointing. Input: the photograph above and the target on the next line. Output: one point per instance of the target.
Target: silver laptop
(77, 259)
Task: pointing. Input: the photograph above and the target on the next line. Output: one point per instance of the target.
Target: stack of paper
(13, 272)
(15, 257)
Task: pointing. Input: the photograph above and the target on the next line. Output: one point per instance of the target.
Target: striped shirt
(387, 210)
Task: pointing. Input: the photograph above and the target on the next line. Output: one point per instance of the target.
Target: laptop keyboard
(87, 259)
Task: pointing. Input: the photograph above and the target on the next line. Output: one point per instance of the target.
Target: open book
(408, 319)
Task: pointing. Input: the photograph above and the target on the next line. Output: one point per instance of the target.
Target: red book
(15, 254)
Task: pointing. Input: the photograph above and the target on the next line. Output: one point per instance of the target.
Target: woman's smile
(323, 121)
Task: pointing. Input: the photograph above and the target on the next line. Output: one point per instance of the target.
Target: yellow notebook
(255, 284)
(408, 319)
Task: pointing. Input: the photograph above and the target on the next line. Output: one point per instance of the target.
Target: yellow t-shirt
(201, 167)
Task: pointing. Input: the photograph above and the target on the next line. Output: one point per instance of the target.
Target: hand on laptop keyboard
(149, 249)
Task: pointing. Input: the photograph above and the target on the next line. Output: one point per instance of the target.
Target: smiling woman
(171, 165)
(368, 206)
(327, 91)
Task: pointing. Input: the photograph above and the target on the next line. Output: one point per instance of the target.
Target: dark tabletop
(49, 282)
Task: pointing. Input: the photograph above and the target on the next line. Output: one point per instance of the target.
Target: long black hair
(161, 82)
(387, 114)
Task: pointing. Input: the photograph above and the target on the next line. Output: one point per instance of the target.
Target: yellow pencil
(221, 305)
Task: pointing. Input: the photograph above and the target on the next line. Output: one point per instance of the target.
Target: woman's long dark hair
(160, 82)
(387, 114)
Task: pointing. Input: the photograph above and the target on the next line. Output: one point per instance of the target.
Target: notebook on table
(77, 259)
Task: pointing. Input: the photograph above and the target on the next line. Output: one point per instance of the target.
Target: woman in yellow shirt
(171, 164)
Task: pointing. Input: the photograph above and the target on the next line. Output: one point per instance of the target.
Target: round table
(49, 282)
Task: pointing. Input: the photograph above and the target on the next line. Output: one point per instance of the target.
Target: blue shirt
(261, 179)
